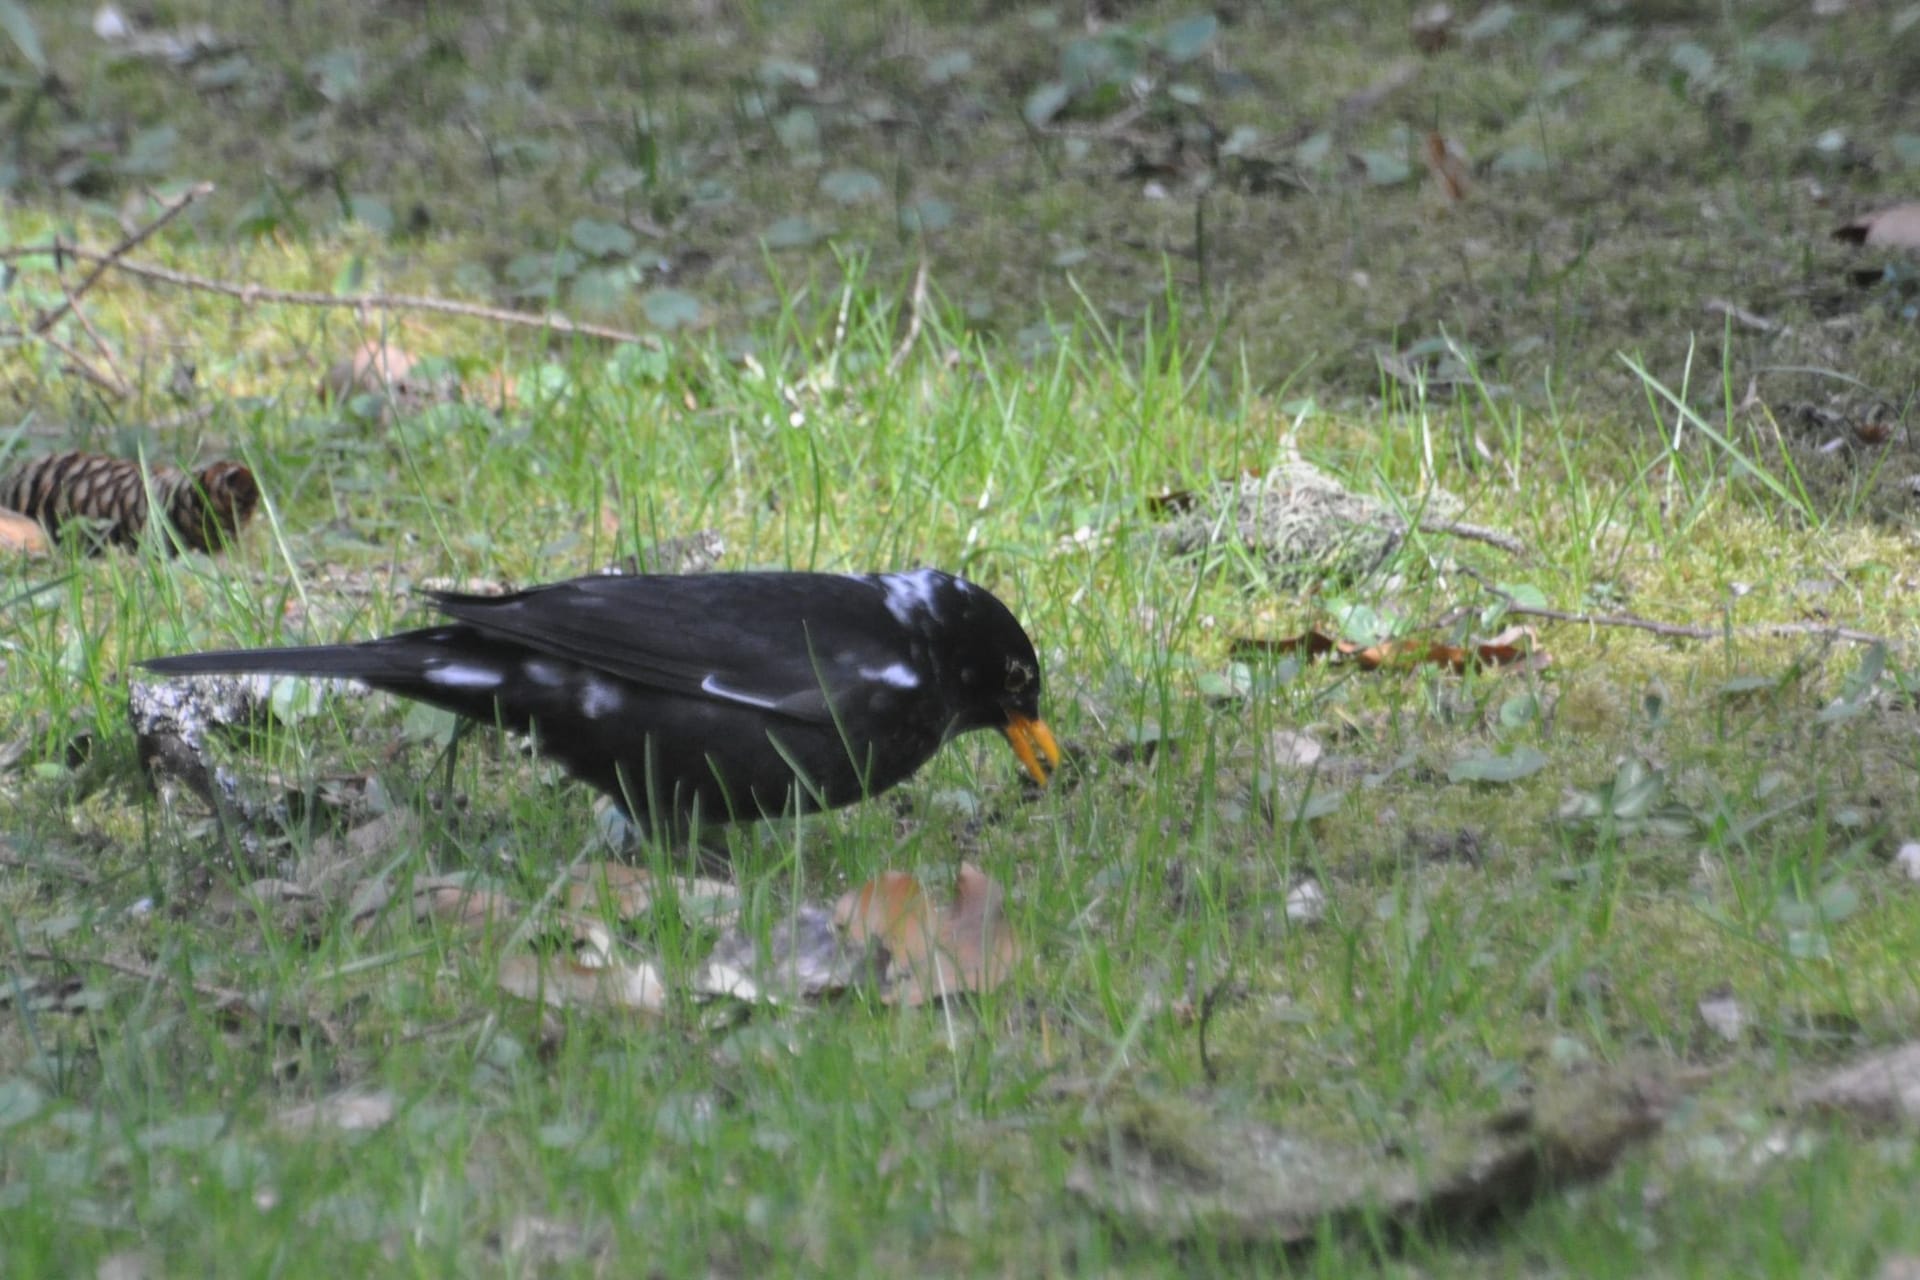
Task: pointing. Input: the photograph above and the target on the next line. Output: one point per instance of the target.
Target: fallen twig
(1676, 630)
(1685, 631)
(66, 868)
(253, 293)
(113, 369)
(1744, 318)
(186, 419)
(84, 367)
(168, 212)
(1476, 533)
(226, 1000)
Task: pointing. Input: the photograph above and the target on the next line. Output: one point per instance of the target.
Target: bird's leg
(451, 754)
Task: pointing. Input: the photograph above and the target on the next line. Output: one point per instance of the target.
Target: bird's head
(994, 674)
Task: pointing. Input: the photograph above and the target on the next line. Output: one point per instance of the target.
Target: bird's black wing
(783, 642)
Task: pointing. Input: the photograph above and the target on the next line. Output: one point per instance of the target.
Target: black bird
(728, 695)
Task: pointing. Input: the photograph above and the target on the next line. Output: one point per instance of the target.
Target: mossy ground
(1087, 343)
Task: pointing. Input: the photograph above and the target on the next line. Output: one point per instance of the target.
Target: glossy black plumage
(712, 692)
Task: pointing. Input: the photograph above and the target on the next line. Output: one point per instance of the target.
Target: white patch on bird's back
(456, 676)
(897, 674)
(911, 594)
(543, 673)
(713, 686)
(600, 698)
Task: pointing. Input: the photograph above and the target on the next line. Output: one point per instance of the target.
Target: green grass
(1477, 949)
(855, 1139)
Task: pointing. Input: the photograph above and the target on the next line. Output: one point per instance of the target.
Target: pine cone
(206, 508)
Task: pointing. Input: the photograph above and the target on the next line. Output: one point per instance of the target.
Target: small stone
(1724, 1015)
(1908, 859)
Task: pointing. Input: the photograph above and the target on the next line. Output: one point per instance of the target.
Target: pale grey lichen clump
(1297, 523)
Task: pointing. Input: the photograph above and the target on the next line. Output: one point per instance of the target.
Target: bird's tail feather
(338, 661)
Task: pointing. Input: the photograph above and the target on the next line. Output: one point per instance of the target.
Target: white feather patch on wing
(456, 676)
(911, 594)
(713, 686)
(600, 698)
(546, 674)
(897, 674)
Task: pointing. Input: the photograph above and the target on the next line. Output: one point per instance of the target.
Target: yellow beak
(1033, 743)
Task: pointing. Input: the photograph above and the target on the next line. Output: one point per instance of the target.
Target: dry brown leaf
(1896, 227)
(631, 891)
(453, 899)
(1513, 648)
(21, 535)
(352, 1111)
(493, 387)
(464, 905)
(1315, 643)
(565, 983)
(891, 909)
(1447, 162)
(801, 956)
(628, 889)
(1883, 1088)
(337, 857)
(967, 946)
(374, 367)
(1432, 27)
(1293, 749)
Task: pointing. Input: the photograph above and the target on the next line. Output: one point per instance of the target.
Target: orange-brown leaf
(22, 535)
(1447, 162)
(1315, 643)
(565, 983)
(1896, 227)
(891, 908)
(1514, 646)
(632, 891)
(965, 946)
(372, 368)
(467, 906)
(628, 889)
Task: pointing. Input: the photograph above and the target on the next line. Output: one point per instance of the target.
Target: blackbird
(712, 697)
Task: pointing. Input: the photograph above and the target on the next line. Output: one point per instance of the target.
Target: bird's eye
(1019, 676)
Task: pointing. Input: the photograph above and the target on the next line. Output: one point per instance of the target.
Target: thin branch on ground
(186, 419)
(111, 258)
(1476, 533)
(1744, 318)
(84, 367)
(224, 1000)
(252, 294)
(45, 864)
(1685, 631)
(113, 368)
(1674, 630)
(1226, 986)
